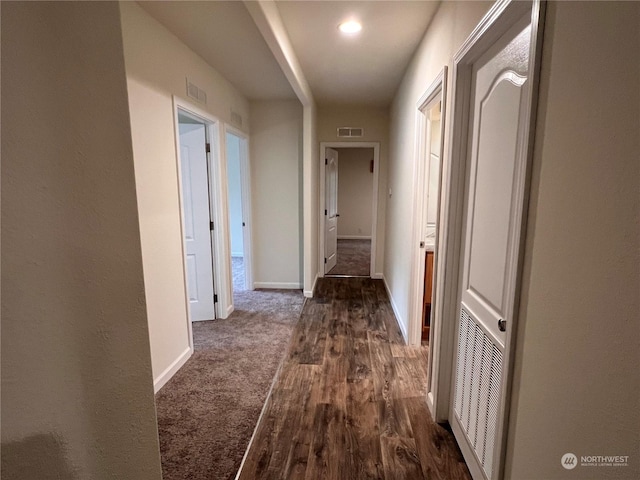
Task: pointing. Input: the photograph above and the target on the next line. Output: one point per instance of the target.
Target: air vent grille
(477, 396)
(193, 91)
(350, 132)
(236, 118)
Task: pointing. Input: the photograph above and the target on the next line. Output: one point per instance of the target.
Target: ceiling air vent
(350, 132)
(196, 93)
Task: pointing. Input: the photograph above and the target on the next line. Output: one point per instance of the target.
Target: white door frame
(437, 90)
(245, 186)
(374, 202)
(496, 22)
(218, 208)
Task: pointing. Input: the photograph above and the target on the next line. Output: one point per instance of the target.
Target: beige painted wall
(451, 25)
(311, 197)
(157, 64)
(276, 176)
(355, 192)
(577, 383)
(375, 121)
(77, 392)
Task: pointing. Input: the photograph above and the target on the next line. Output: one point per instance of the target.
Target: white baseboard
(403, 329)
(354, 237)
(309, 293)
(237, 254)
(278, 285)
(171, 370)
(230, 310)
(378, 276)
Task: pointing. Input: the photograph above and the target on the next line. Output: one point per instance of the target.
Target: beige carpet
(208, 410)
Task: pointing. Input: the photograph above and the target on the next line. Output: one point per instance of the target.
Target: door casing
(436, 91)
(374, 221)
(245, 180)
(496, 22)
(218, 206)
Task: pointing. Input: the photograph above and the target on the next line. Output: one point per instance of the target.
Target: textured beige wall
(375, 121)
(276, 176)
(157, 64)
(355, 192)
(311, 197)
(451, 25)
(577, 383)
(77, 394)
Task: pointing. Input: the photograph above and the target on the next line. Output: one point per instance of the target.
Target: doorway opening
(195, 145)
(349, 199)
(426, 320)
(203, 214)
(239, 191)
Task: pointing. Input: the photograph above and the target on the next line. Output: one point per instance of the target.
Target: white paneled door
(195, 201)
(331, 209)
(499, 81)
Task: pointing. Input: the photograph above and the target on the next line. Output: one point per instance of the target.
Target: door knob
(502, 325)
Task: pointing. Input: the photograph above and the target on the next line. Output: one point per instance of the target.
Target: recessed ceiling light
(350, 27)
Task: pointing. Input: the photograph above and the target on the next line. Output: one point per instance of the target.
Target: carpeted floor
(354, 258)
(237, 271)
(207, 412)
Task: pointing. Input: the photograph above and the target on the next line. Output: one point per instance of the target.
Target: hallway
(349, 400)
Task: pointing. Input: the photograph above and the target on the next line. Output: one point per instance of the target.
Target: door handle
(337, 214)
(502, 325)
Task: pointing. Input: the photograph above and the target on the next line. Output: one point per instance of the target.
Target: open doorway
(426, 320)
(238, 190)
(349, 204)
(195, 145)
(203, 211)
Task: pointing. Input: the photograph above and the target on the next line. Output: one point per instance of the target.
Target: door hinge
(325, 260)
(243, 224)
(211, 226)
(325, 211)
(215, 298)
(208, 148)
(326, 161)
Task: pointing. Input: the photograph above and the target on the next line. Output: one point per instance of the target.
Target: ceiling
(225, 36)
(364, 69)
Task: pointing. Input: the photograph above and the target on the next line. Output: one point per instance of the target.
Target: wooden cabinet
(428, 290)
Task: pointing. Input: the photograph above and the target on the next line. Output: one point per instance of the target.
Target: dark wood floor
(349, 401)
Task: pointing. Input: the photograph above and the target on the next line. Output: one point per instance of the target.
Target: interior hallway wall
(450, 27)
(157, 65)
(77, 391)
(375, 121)
(355, 192)
(576, 377)
(276, 176)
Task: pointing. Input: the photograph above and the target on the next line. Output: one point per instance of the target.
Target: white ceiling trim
(269, 22)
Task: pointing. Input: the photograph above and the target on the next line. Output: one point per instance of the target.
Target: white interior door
(195, 201)
(496, 172)
(331, 209)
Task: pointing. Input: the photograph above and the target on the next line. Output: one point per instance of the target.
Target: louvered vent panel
(350, 132)
(477, 396)
(196, 93)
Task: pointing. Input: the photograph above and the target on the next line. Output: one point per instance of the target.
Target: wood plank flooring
(349, 400)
